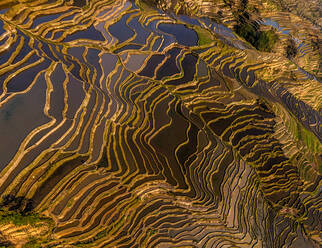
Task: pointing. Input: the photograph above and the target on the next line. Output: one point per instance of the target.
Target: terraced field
(132, 127)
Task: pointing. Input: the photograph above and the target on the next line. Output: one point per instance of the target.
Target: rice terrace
(160, 123)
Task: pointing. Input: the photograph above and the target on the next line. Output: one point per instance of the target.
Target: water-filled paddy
(134, 127)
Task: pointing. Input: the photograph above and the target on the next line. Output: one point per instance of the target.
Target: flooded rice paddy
(132, 127)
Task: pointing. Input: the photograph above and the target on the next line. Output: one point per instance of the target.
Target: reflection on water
(118, 125)
(90, 33)
(19, 117)
(120, 29)
(184, 36)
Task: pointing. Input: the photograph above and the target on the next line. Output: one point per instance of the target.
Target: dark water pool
(185, 36)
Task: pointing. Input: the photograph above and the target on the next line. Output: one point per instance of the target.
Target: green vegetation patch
(262, 40)
(312, 144)
(266, 40)
(204, 36)
(21, 219)
(250, 30)
(6, 244)
(32, 243)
